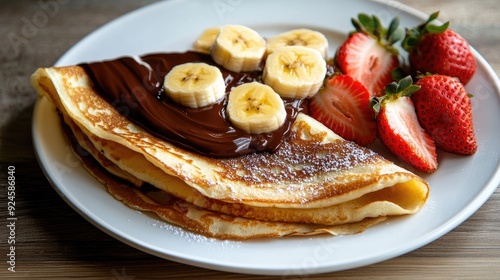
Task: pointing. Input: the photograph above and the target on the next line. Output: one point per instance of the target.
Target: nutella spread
(133, 85)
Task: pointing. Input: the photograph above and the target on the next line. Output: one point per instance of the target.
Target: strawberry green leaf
(432, 17)
(365, 20)
(437, 28)
(404, 83)
(358, 26)
(403, 87)
(372, 26)
(391, 88)
(414, 35)
(393, 26)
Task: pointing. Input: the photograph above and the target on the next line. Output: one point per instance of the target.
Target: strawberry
(343, 105)
(368, 55)
(398, 127)
(444, 110)
(439, 50)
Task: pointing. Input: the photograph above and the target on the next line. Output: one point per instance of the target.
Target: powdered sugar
(299, 163)
(195, 238)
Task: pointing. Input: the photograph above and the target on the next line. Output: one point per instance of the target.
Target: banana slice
(299, 37)
(194, 84)
(255, 108)
(206, 39)
(238, 48)
(295, 71)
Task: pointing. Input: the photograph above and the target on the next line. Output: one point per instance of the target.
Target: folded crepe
(316, 182)
(187, 215)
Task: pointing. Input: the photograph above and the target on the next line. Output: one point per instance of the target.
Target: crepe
(355, 210)
(196, 219)
(315, 179)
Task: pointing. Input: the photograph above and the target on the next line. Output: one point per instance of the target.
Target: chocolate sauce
(134, 87)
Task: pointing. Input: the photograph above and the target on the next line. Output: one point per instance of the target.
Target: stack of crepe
(316, 182)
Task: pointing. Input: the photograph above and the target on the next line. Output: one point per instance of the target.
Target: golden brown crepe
(316, 179)
(209, 223)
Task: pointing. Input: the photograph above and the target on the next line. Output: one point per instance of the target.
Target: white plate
(459, 187)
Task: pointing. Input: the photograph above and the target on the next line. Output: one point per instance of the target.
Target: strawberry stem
(371, 25)
(413, 35)
(394, 90)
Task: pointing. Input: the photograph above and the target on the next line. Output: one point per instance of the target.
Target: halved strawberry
(398, 127)
(343, 105)
(368, 54)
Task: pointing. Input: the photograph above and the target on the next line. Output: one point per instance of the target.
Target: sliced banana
(255, 108)
(299, 37)
(206, 39)
(295, 71)
(195, 84)
(238, 48)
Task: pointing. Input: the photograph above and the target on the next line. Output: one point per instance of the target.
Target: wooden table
(53, 241)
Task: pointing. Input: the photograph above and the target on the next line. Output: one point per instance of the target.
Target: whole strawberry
(439, 50)
(444, 110)
(368, 55)
(398, 127)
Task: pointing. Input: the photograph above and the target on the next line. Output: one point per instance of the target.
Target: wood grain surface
(53, 241)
